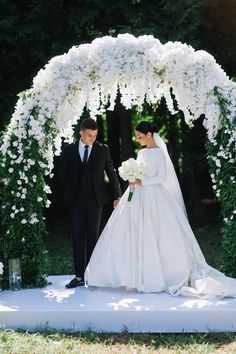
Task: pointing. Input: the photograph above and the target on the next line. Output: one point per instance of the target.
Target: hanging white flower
(48, 203)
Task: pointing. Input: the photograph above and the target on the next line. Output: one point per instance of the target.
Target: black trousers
(85, 217)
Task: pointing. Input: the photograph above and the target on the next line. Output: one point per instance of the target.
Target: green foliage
(23, 195)
(222, 157)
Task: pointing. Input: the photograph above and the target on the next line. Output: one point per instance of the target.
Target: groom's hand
(115, 202)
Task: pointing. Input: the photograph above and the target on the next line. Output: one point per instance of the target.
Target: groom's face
(88, 136)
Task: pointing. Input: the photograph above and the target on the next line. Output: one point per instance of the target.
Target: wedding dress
(148, 244)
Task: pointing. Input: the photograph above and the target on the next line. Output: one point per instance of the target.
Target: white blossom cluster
(140, 68)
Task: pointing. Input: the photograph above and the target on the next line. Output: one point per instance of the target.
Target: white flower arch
(90, 75)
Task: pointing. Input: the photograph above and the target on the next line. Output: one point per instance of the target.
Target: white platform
(112, 310)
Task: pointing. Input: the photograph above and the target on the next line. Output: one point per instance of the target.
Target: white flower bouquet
(131, 170)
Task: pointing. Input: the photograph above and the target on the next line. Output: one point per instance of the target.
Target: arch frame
(90, 75)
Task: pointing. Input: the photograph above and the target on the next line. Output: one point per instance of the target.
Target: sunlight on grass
(25, 342)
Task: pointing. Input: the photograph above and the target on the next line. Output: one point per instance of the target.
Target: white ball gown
(148, 244)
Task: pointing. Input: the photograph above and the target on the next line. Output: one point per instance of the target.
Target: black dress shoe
(74, 283)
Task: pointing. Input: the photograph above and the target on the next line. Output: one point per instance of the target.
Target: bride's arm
(161, 176)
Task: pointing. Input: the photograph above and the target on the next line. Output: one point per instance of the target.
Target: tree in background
(32, 32)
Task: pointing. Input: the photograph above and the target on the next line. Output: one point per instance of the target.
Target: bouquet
(131, 170)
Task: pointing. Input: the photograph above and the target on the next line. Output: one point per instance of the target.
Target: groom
(82, 169)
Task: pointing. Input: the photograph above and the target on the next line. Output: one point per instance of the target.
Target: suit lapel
(76, 151)
(93, 155)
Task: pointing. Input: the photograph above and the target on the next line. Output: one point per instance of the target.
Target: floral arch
(90, 75)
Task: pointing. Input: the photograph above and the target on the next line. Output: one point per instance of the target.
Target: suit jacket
(101, 161)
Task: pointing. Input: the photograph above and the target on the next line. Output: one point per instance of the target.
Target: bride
(148, 244)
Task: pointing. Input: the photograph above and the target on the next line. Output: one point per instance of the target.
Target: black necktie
(85, 158)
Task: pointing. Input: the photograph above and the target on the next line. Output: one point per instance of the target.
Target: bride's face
(141, 138)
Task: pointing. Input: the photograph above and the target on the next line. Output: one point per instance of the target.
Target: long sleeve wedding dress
(148, 244)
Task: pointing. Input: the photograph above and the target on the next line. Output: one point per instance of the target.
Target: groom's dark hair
(88, 123)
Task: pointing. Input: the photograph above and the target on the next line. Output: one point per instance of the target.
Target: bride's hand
(137, 182)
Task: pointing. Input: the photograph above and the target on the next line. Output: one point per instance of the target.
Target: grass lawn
(48, 342)
(93, 343)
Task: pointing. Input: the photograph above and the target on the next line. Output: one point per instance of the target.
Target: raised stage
(112, 310)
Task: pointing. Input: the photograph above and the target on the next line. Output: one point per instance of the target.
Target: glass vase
(14, 274)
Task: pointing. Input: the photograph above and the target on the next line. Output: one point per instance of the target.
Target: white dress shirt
(82, 149)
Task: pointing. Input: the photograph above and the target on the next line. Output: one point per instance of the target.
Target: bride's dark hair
(146, 127)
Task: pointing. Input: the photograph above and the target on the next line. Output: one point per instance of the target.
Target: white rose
(24, 221)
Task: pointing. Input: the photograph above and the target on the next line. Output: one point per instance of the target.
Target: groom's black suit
(85, 194)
